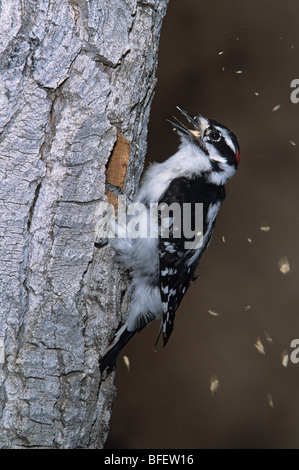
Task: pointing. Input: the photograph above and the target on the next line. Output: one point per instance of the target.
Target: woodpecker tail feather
(108, 361)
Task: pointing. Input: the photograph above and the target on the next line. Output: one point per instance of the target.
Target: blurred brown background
(165, 400)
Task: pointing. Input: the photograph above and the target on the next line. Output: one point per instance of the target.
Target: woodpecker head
(214, 142)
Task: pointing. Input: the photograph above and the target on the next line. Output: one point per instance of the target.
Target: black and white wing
(178, 263)
(175, 278)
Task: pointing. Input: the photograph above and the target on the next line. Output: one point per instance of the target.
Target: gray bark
(74, 74)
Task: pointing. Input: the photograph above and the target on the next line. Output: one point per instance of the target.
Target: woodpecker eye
(213, 135)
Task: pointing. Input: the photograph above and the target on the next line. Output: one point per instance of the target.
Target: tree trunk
(77, 80)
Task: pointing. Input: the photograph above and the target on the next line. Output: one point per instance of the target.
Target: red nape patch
(238, 157)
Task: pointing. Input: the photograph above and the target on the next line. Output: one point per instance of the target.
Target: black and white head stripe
(229, 137)
(224, 141)
(213, 139)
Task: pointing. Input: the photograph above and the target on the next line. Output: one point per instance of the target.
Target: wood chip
(195, 133)
(284, 358)
(268, 337)
(126, 362)
(265, 228)
(284, 265)
(214, 384)
(213, 313)
(258, 345)
(270, 400)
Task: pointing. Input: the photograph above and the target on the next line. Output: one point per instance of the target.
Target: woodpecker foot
(117, 191)
(101, 243)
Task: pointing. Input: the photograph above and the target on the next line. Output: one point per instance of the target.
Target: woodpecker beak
(182, 129)
(195, 135)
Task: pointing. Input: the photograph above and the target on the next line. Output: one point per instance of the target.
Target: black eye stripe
(225, 151)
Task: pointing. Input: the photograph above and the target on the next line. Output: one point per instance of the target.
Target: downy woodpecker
(162, 268)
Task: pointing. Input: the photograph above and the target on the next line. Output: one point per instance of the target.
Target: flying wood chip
(268, 337)
(270, 400)
(214, 384)
(213, 313)
(259, 346)
(284, 265)
(265, 228)
(284, 358)
(126, 362)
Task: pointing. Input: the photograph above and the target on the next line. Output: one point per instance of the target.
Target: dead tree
(76, 82)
